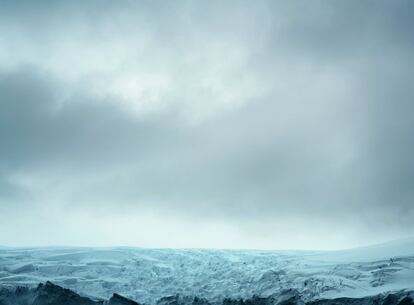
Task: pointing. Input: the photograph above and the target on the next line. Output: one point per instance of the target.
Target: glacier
(148, 275)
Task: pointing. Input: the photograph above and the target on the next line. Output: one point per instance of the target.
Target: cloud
(264, 125)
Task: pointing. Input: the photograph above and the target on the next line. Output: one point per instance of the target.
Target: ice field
(146, 275)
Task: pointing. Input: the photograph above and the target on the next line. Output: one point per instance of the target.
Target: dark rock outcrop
(51, 294)
(117, 299)
(44, 294)
(389, 299)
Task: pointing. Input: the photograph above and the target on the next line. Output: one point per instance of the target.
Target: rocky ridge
(51, 294)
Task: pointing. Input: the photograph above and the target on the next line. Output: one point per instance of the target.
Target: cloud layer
(190, 124)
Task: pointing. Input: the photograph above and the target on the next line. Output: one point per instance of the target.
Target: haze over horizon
(404, 246)
(236, 124)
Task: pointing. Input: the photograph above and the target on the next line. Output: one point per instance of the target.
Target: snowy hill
(147, 275)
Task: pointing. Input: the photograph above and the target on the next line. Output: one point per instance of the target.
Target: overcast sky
(220, 124)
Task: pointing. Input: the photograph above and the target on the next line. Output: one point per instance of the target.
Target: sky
(206, 124)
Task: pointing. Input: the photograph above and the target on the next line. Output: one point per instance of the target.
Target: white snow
(149, 274)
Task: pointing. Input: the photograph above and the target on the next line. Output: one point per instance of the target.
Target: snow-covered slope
(147, 275)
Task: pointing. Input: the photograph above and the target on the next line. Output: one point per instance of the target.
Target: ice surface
(147, 275)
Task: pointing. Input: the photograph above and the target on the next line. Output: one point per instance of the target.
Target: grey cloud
(328, 141)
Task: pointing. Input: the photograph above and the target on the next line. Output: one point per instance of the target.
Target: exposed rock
(51, 294)
(200, 301)
(44, 294)
(391, 299)
(117, 299)
(406, 301)
(169, 300)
